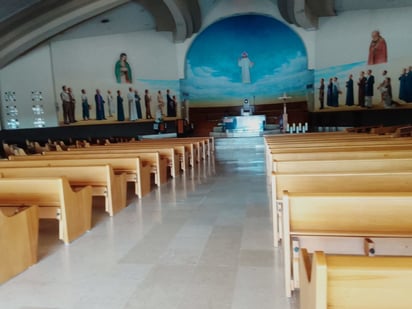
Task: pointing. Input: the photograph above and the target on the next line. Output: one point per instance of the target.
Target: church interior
(205, 154)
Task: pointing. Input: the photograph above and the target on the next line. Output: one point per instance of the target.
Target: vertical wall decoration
(12, 112)
(38, 110)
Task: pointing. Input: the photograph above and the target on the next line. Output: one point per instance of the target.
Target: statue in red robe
(378, 52)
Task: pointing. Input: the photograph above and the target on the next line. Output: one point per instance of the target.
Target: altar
(238, 126)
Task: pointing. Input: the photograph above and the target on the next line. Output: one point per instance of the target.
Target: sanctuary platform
(240, 126)
(244, 126)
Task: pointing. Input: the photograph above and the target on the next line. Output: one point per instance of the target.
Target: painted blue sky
(340, 71)
(278, 54)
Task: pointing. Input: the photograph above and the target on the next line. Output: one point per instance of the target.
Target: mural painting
(252, 57)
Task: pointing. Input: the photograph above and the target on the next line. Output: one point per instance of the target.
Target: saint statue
(245, 64)
(122, 70)
(378, 52)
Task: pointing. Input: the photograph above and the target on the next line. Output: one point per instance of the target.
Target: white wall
(345, 38)
(89, 62)
(30, 72)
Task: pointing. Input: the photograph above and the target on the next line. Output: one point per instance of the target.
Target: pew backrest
(343, 165)
(331, 281)
(137, 170)
(373, 214)
(325, 214)
(341, 182)
(100, 177)
(55, 199)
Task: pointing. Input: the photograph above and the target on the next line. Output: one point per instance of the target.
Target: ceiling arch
(27, 26)
(24, 24)
(306, 13)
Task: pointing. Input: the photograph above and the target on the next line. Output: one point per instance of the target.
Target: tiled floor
(201, 241)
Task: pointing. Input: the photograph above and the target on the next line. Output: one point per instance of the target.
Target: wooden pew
(18, 242)
(356, 153)
(347, 146)
(100, 177)
(341, 182)
(386, 130)
(187, 151)
(206, 143)
(158, 164)
(347, 282)
(183, 153)
(168, 153)
(8, 149)
(135, 170)
(203, 144)
(325, 139)
(381, 141)
(189, 155)
(314, 148)
(56, 200)
(352, 154)
(318, 135)
(364, 129)
(376, 214)
(342, 165)
(199, 151)
(282, 149)
(402, 132)
(332, 182)
(329, 139)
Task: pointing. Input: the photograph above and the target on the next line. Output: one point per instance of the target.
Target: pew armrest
(313, 280)
(76, 212)
(18, 242)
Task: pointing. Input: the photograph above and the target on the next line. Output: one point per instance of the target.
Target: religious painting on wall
(252, 57)
(374, 80)
(122, 70)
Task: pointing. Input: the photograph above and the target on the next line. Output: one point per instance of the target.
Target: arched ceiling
(129, 17)
(306, 13)
(25, 24)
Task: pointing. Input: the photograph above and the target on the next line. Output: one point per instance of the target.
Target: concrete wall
(31, 72)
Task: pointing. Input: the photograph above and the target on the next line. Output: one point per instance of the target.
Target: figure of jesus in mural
(378, 52)
(245, 64)
(122, 70)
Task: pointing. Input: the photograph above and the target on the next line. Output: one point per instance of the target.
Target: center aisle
(203, 240)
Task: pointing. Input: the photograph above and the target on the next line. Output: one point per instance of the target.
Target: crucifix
(285, 114)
